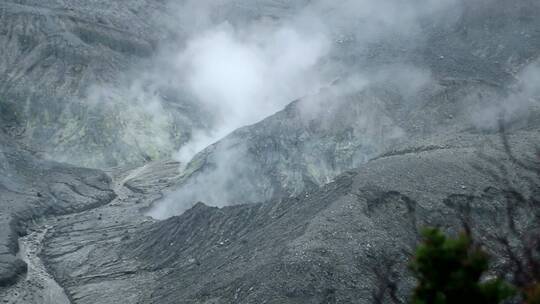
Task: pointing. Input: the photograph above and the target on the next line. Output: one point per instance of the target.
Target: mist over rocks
(320, 244)
(286, 151)
(128, 80)
(330, 243)
(146, 82)
(403, 66)
(340, 128)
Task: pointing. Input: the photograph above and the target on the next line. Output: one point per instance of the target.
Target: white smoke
(514, 108)
(228, 182)
(244, 76)
(232, 176)
(242, 63)
(248, 70)
(530, 80)
(135, 110)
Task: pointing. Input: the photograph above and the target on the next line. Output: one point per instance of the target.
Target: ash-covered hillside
(66, 85)
(259, 151)
(460, 71)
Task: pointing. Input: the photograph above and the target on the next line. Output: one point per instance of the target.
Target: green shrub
(449, 271)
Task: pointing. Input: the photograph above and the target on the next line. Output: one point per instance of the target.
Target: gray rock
(56, 52)
(31, 188)
(318, 137)
(323, 244)
(337, 195)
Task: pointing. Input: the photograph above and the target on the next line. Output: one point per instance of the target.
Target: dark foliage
(450, 271)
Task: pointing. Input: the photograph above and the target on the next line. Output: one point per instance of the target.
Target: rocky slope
(322, 246)
(64, 85)
(348, 175)
(459, 78)
(67, 67)
(31, 188)
(84, 232)
(314, 139)
(327, 246)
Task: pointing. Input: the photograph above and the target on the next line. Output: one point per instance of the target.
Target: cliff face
(66, 87)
